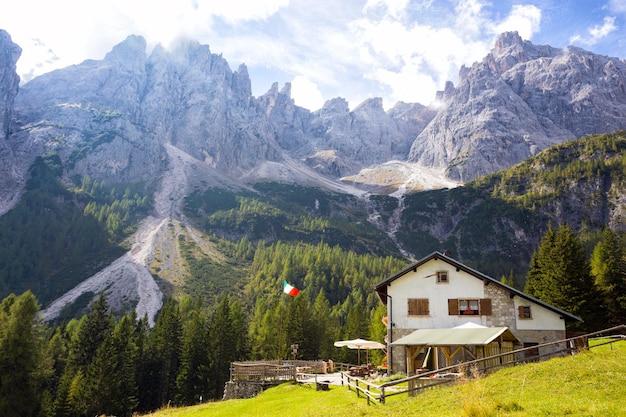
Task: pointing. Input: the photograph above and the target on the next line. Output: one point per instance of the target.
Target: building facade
(438, 292)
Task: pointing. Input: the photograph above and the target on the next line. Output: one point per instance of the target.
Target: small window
(469, 308)
(418, 307)
(442, 276)
(524, 312)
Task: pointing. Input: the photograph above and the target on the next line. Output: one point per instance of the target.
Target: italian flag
(289, 289)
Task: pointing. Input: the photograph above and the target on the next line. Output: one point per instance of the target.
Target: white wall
(542, 318)
(423, 284)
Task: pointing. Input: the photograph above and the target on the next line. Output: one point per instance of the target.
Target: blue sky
(400, 50)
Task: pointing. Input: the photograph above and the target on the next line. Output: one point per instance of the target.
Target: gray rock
(521, 99)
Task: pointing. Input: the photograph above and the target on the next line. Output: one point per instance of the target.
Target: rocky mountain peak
(510, 49)
(130, 51)
(519, 99)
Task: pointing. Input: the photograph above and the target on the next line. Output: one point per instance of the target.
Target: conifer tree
(299, 329)
(325, 324)
(18, 356)
(161, 367)
(560, 275)
(192, 381)
(92, 330)
(239, 322)
(222, 340)
(608, 266)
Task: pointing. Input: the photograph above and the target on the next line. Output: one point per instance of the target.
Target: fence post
(382, 395)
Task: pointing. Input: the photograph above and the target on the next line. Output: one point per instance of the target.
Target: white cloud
(596, 33)
(617, 6)
(394, 8)
(305, 93)
(525, 19)
(237, 10)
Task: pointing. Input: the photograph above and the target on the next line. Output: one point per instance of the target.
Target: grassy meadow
(589, 384)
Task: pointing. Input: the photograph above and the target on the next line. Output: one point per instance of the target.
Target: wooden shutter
(418, 306)
(453, 306)
(485, 306)
(423, 307)
(520, 312)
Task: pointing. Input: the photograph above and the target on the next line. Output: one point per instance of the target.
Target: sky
(400, 50)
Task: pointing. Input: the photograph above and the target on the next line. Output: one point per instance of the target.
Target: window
(467, 307)
(442, 276)
(418, 307)
(524, 312)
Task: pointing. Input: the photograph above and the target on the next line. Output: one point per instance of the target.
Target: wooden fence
(275, 371)
(472, 369)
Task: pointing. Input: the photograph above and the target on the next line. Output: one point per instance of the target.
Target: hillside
(207, 247)
(495, 222)
(150, 174)
(589, 384)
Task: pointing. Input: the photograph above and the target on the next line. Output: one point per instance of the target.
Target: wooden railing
(473, 369)
(273, 371)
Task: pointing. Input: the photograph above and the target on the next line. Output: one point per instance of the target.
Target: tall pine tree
(608, 266)
(19, 348)
(560, 275)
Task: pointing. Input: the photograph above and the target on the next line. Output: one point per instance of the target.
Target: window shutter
(485, 306)
(453, 306)
(413, 306)
(424, 308)
(520, 312)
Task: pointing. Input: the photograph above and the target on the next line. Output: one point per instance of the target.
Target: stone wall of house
(398, 354)
(502, 308)
(543, 336)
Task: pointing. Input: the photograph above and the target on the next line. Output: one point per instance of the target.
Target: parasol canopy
(360, 344)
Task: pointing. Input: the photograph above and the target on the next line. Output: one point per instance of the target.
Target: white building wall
(423, 284)
(542, 318)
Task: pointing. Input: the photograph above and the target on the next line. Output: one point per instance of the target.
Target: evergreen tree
(19, 356)
(560, 275)
(325, 325)
(239, 323)
(510, 280)
(161, 362)
(299, 329)
(92, 330)
(223, 340)
(608, 266)
(192, 381)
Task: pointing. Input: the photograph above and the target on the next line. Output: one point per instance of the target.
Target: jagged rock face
(109, 118)
(10, 170)
(9, 80)
(520, 99)
(365, 136)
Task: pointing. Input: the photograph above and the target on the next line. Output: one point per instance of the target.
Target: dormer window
(442, 277)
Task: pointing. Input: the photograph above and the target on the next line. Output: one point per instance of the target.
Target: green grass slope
(589, 384)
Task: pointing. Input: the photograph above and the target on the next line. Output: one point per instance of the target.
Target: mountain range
(178, 123)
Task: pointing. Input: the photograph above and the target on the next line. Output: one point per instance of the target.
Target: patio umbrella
(360, 344)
